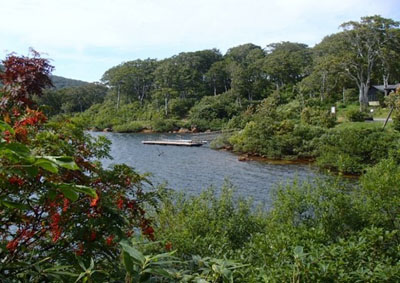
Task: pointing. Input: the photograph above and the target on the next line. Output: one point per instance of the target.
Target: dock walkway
(174, 142)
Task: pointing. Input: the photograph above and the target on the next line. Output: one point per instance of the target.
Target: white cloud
(71, 28)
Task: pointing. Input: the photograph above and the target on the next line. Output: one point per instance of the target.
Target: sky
(84, 38)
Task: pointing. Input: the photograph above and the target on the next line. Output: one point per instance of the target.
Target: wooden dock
(174, 142)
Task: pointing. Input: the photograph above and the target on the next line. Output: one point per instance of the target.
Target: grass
(380, 112)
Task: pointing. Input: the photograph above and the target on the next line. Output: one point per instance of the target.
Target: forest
(65, 218)
(340, 68)
(273, 102)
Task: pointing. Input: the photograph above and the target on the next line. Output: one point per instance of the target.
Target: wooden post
(387, 119)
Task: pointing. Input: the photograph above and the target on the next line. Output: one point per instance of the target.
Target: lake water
(193, 169)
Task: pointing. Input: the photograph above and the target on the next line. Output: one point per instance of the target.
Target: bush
(164, 125)
(396, 120)
(131, 127)
(180, 107)
(277, 139)
(212, 112)
(318, 117)
(221, 141)
(314, 232)
(354, 115)
(351, 150)
(207, 225)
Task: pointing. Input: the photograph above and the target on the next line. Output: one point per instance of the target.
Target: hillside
(61, 82)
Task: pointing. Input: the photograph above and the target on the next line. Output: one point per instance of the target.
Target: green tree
(327, 76)
(218, 77)
(287, 62)
(365, 44)
(72, 99)
(134, 79)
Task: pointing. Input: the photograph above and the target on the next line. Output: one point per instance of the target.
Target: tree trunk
(250, 96)
(344, 97)
(386, 83)
(363, 96)
(118, 96)
(166, 105)
(323, 86)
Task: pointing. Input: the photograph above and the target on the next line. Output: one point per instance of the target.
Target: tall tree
(389, 58)
(365, 41)
(327, 76)
(218, 77)
(287, 62)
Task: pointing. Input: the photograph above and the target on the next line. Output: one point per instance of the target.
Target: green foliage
(287, 62)
(61, 82)
(206, 225)
(162, 125)
(324, 231)
(59, 208)
(130, 127)
(71, 99)
(212, 112)
(393, 101)
(318, 117)
(355, 115)
(351, 150)
(380, 188)
(396, 120)
(142, 268)
(276, 132)
(180, 107)
(221, 141)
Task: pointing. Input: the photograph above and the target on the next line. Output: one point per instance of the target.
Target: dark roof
(389, 87)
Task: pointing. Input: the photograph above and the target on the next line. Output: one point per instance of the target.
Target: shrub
(354, 115)
(221, 141)
(351, 150)
(180, 107)
(212, 112)
(131, 127)
(318, 117)
(207, 225)
(277, 139)
(396, 120)
(164, 125)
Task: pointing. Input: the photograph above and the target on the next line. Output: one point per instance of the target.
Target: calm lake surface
(194, 169)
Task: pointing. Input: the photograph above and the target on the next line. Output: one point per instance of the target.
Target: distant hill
(61, 82)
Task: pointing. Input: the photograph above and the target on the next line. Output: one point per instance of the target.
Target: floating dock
(175, 142)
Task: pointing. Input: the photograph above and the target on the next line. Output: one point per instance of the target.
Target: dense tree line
(363, 53)
(71, 99)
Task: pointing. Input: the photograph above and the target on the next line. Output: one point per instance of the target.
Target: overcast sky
(86, 37)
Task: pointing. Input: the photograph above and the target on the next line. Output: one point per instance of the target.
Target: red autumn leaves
(53, 220)
(24, 235)
(24, 77)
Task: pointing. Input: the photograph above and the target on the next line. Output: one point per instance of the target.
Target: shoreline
(244, 157)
